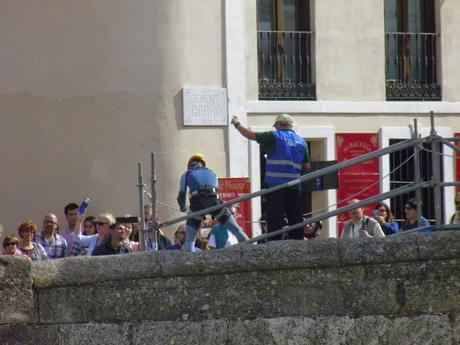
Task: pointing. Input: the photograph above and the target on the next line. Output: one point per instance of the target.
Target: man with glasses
(455, 219)
(114, 243)
(54, 244)
(360, 225)
(103, 223)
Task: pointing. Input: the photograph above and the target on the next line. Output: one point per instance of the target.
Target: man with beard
(54, 244)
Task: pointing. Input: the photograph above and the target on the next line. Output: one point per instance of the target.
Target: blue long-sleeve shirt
(390, 228)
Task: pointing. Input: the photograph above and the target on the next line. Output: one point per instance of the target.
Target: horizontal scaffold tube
(395, 192)
(310, 176)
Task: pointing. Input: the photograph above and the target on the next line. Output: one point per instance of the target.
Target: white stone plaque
(205, 107)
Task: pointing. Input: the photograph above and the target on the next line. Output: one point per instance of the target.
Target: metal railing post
(154, 226)
(418, 191)
(142, 230)
(436, 172)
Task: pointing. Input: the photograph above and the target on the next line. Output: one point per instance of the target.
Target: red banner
(359, 181)
(457, 164)
(235, 187)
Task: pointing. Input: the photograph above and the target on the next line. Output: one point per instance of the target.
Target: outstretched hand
(235, 121)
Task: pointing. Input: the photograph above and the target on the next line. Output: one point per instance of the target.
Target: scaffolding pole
(142, 230)
(435, 161)
(310, 176)
(361, 203)
(154, 225)
(418, 192)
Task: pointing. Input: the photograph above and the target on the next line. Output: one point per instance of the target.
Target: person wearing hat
(287, 159)
(203, 186)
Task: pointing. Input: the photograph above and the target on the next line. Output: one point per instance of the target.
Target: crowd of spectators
(104, 235)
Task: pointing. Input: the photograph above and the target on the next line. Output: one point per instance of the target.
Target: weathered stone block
(95, 334)
(432, 329)
(16, 296)
(178, 333)
(355, 251)
(267, 257)
(439, 245)
(26, 334)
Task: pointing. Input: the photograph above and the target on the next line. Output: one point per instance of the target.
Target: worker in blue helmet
(203, 187)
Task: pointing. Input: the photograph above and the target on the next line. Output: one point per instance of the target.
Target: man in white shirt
(360, 225)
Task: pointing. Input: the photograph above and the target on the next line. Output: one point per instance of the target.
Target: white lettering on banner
(205, 107)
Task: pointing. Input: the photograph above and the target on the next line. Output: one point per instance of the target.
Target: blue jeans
(227, 220)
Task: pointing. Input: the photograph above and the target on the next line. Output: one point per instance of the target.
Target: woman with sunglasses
(383, 215)
(411, 221)
(10, 246)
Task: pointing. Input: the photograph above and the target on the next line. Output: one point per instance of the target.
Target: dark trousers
(284, 203)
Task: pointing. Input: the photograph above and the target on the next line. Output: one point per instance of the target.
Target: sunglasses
(100, 223)
(11, 244)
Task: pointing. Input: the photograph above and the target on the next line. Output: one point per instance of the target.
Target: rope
(365, 189)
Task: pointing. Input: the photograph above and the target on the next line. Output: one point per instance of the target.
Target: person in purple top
(69, 233)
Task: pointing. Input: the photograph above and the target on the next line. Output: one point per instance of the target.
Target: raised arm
(245, 132)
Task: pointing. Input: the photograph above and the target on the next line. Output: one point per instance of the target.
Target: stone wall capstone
(403, 290)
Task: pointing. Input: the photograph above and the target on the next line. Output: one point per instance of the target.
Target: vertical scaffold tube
(418, 191)
(435, 144)
(142, 230)
(154, 225)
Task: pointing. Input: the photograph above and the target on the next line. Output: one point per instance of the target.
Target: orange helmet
(197, 157)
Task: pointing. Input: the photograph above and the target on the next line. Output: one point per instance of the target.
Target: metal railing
(411, 66)
(416, 186)
(285, 65)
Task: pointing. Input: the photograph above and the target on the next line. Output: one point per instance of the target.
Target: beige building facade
(89, 89)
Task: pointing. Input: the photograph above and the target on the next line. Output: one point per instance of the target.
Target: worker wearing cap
(203, 191)
(287, 159)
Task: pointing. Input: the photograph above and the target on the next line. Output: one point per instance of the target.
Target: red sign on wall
(235, 187)
(457, 164)
(359, 181)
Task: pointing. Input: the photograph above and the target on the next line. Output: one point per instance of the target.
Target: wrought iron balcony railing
(285, 65)
(410, 61)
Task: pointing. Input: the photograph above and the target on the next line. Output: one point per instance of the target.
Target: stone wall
(401, 290)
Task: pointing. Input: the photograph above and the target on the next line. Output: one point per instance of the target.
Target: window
(284, 44)
(405, 175)
(410, 48)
